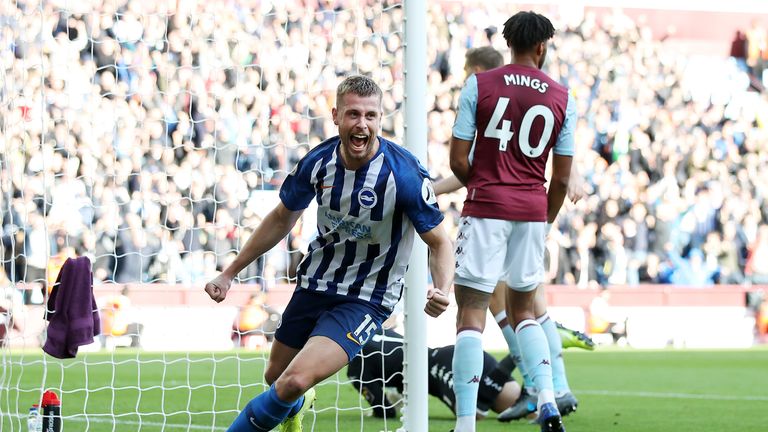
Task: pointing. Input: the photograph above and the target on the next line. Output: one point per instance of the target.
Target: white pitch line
(81, 419)
(148, 424)
(672, 395)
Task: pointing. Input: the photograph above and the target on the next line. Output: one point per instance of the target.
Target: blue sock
(467, 370)
(262, 413)
(296, 406)
(555, 353)
(514, 349)
(535, 352)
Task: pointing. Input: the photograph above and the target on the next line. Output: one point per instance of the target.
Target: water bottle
(51, 412)
(34, 422)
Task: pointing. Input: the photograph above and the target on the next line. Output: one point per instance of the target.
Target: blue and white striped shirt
(365, 220)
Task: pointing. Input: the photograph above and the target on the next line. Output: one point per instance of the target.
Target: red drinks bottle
(51, 412)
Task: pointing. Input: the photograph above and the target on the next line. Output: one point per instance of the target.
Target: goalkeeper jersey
(366, 220)
(380, 365)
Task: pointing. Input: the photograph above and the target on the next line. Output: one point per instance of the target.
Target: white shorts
(493, 250)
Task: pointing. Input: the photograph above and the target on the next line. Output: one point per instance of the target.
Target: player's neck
(353, 162)
(525, 60)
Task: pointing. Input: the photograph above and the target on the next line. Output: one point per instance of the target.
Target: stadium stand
(150, 147)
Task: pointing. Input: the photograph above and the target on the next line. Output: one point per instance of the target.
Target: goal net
(152, 138)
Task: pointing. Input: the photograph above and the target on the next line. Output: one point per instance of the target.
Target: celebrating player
(514, 115)
(372, 195)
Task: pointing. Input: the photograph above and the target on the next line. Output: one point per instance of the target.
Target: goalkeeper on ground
(377, 373)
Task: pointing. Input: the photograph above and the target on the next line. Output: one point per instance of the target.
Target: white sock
(531, 336)
(467, 371)
(514, 348)
(465, 424)
(545, 396)
(559, 379)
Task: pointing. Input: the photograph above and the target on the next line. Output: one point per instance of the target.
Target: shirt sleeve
(466, 125)
(420, 201)
(565, 145)
(297, 190)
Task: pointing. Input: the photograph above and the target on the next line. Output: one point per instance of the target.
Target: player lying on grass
(377, 373)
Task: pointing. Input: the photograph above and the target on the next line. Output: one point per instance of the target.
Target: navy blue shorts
(346, 320)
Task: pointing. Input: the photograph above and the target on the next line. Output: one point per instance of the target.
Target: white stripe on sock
(467, 333)
(525, 323)
(500, 316)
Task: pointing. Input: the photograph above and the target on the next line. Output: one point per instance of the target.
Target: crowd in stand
(153, 139)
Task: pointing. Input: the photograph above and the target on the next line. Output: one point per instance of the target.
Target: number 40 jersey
(515, 114)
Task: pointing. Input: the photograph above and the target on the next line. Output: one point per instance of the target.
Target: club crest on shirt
(367, 198)
(428, 192)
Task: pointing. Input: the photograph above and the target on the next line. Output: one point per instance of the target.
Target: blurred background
(152, 137)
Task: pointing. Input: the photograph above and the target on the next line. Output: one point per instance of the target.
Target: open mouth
(358, 141)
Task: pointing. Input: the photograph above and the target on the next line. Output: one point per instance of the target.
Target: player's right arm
(460, 158)
(295, 195)
(270, 231)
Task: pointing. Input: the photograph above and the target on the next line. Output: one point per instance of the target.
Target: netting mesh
(152, 137)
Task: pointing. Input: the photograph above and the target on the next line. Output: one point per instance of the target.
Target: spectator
(756, 268)
(10, 302)
(118, 320)
(141, 129)
(255, 323)
(604, 319)
(739, 49)
(692, 271)
(756, 47)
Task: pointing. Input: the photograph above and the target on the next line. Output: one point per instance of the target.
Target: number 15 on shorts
(363, 332)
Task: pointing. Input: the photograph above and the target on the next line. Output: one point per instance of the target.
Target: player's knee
(295, 384)
(271, 374)
(471, 317)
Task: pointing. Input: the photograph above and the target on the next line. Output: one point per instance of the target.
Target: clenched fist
(437, 302)
(217, 288)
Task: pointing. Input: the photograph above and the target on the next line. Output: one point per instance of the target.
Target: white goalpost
(152, 137)
(415, 367)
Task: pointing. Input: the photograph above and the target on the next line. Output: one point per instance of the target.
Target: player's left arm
(417, 195)
(562, 161)
(441, 265)
(576, 186)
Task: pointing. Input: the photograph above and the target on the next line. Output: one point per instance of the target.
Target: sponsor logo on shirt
(354, 229)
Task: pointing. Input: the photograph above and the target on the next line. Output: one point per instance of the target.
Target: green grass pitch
(618, 390)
